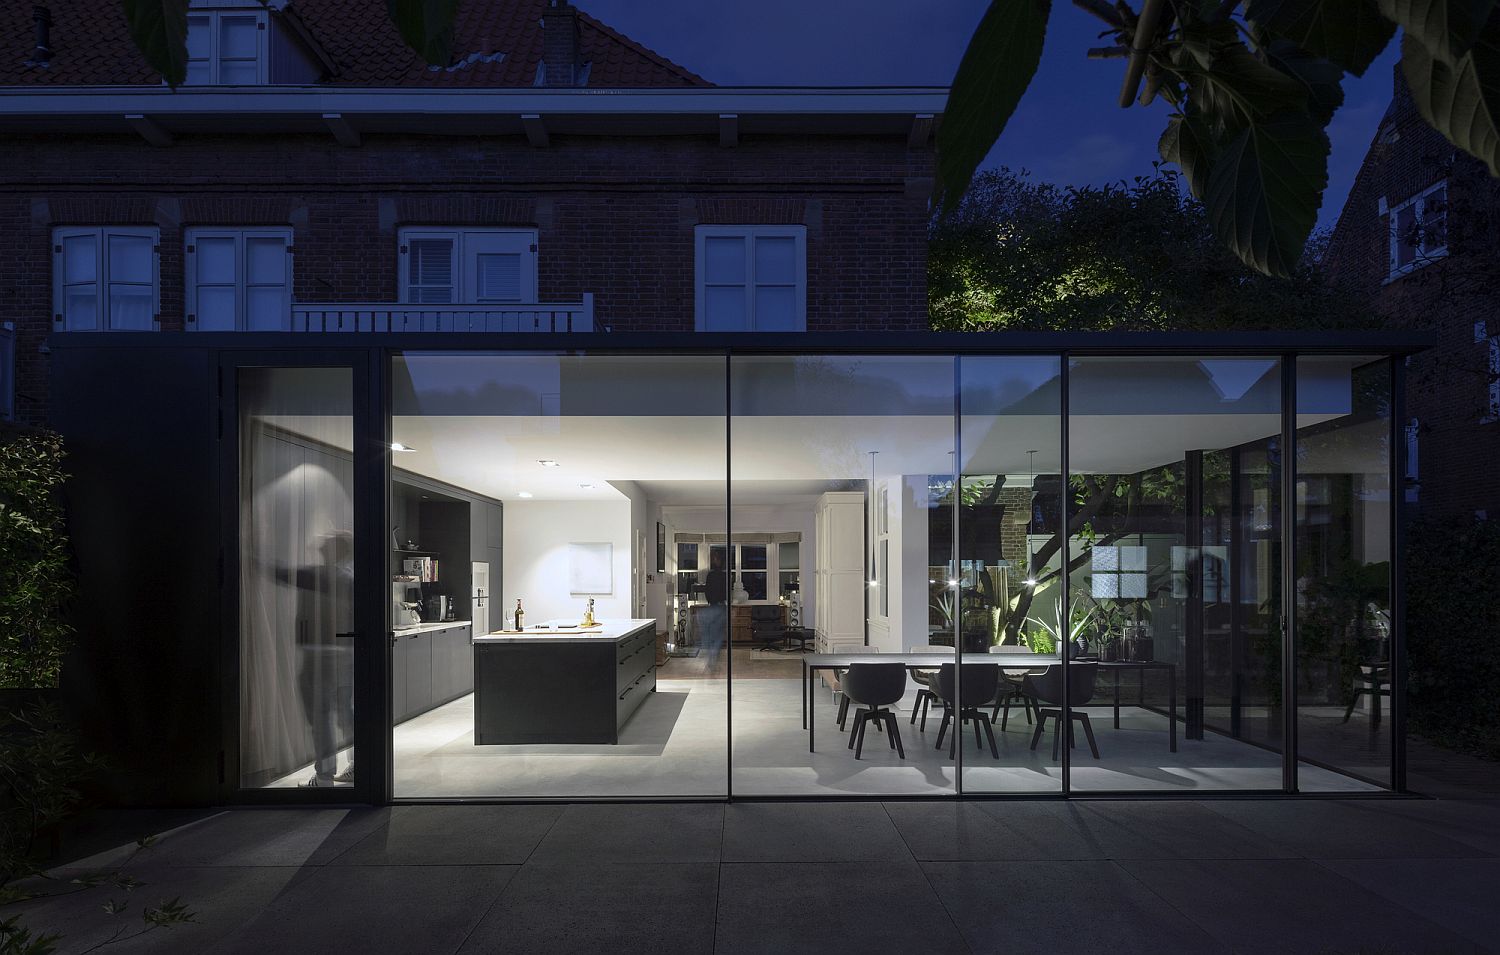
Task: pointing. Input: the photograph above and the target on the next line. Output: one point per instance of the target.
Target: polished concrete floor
(1379, 876)
(675, 746)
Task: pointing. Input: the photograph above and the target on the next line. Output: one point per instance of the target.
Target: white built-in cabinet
(839, 574)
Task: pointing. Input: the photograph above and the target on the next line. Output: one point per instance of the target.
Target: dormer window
(227, 48)
(1418, 231)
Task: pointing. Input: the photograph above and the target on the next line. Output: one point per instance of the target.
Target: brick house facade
(615, 195)
(1421, 232)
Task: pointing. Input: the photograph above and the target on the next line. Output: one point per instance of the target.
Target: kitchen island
(546, 686)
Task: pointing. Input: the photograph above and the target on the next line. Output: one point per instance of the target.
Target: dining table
(813, 662)
(1010, 663)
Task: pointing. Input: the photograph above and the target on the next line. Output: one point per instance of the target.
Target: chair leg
(1352, 702)
(888, 720)
(1088, 731)
(896, 736)
(864, 722)
(1004, 714)
(943, 728)
(926, 705)
(843, 711)
(859, 720)
(1041, 727)
(989, 731)
(1030, 707)
(916, 705)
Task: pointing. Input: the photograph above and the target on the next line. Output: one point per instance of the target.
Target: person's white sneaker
(347, 776)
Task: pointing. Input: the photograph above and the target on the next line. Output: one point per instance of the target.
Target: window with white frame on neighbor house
(1418, 230)
(105, 278)
(227, 48)
(750, 278)
(468, 266)
(238, 279)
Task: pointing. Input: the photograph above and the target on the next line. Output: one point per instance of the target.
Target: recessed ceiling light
(523, 494)
(398, 446)
(586, 486)
(547, 463)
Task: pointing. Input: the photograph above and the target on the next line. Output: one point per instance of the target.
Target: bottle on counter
(520, 615)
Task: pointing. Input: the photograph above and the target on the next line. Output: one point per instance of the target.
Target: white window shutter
(499, 276)
(429, 269)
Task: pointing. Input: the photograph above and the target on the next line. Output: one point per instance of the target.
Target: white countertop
(429, 627)
(609, 629)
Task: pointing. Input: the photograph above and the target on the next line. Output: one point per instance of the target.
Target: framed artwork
(591, 568)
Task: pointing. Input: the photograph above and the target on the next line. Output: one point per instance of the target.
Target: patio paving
(1380, 876)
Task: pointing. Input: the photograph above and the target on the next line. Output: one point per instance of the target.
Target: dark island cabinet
(559, 690)
(429, 667)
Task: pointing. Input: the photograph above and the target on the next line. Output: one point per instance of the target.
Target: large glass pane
(296, 577)
(130, 307)
(1009, 567)
(547, 476)
(724, 260)
(1174, 569)
(840, 453)
(1343, 572)
(130, 259)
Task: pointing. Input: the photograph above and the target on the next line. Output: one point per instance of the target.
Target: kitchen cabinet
(430, 665)
(839, 574)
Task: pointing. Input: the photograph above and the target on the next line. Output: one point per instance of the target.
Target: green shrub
(1453, 634)
(36, 575)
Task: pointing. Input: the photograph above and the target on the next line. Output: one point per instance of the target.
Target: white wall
(537, 534)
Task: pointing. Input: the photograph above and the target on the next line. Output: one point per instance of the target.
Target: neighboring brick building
(360, 175)
(1421, 231)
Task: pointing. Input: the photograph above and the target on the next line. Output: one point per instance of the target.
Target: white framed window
(750, 278)
(227, 48)
(1418, 230)
(467, 266)
(238, 279)
(105, 278)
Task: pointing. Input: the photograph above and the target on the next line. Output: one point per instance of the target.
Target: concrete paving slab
(1458, 894)
(274, 837)
(222, 899)
(1341, 829)
(823, 907)
(1291, 905)
(1050, 907)
(454, 835)
(422, 910)
(811, 832)
(634, 833)
(607, 907)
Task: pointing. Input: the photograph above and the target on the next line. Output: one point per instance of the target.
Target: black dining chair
(980, 683)
(875, 686)
(1048, 688)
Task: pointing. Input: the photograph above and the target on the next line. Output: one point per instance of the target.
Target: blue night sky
(1067, 130)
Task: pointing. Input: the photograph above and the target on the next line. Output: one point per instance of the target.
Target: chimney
(42, 18)
(561, 60)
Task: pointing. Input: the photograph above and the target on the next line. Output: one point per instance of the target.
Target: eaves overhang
(870, 111)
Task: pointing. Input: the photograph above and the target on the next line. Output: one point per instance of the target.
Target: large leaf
(1461, 101)
(159, 29)
(1350, 33)
(426, 26)
(1322, 78)
(1448, 28)
(1229, 84)
(996, 69)
(1265, 188)
(1189, 145)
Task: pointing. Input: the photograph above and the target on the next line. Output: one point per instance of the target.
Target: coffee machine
(439, 607)
(406, 603)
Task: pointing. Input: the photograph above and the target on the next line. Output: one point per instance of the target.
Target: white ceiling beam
(148, 129)
(341, 128)
(536, 130)
(921, 129)
(729, 129)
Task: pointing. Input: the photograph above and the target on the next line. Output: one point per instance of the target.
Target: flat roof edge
(1266, 344)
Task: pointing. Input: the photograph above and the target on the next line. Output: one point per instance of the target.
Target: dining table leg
(812, 679)
(1172, 706)
(805, 694)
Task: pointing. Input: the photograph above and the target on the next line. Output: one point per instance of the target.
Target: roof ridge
(640, 49)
